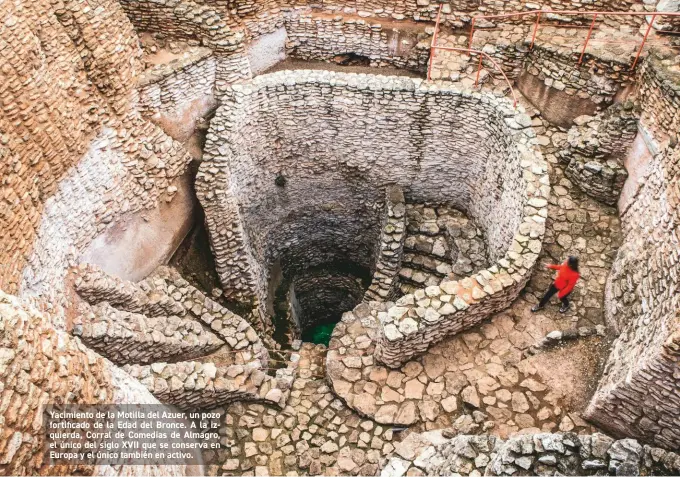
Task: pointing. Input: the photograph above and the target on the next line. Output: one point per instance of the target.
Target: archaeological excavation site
(332, 223)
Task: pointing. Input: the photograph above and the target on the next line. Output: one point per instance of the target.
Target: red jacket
(566, 279)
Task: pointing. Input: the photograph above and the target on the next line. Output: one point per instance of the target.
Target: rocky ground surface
(518, 372)
(314, 434)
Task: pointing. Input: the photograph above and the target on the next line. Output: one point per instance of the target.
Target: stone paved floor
(480, 381)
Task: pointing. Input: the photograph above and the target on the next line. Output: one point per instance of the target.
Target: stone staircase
(186, 348)
(125, 337)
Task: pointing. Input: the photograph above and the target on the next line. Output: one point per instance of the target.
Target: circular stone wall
(339, 140)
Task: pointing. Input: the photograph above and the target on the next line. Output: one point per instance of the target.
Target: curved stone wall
(338, 139)
(318, 36)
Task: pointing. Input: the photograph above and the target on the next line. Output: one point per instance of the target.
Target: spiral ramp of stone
(187, 349)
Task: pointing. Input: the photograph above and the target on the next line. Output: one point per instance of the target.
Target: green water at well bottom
(320, 334)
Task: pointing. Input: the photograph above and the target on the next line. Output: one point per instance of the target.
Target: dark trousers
(549, 294)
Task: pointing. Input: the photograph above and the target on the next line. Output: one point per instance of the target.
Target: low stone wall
(196, 385)
(563, 90)
(548, 74)
(96, 286)
(254, 17)
(427, 316)
(390, 248)
(598, 79)
(441, 453)
(323, 37)
(165, 294)
(187, 20)
(460, 12)
(239, 373)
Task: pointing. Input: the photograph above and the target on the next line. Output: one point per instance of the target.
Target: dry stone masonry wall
(73, 125)
(459, 12)
(197, 385)
(75, 158)
(551, 74)
(441, 242)
(42, 365)
(55, 207)
(659, 96)
(171, 304)
(390, 248)
(34, 375)
(170, 89)
(186, 20)
(126, 337)
(597, 79)
(166, 295)
(323, 37)
(255, 18)
(638, 393)
(427, 316)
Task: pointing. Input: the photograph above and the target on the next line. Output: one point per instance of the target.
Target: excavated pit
(325, 189)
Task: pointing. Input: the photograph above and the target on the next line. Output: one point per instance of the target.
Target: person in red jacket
(567, 276)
